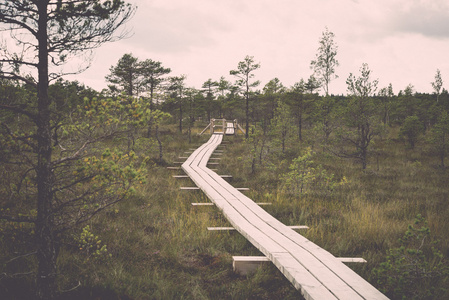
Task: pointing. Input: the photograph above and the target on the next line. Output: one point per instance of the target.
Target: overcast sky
(403, 41)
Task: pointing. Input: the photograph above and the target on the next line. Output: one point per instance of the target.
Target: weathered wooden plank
(311, 288)
(232, 228)
(351, 259)
(263, 203)
(244, 265)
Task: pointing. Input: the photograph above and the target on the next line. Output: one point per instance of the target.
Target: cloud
(428, 18)
(403, 41)
(168, 29)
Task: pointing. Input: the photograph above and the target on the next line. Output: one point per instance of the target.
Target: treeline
(343, 125)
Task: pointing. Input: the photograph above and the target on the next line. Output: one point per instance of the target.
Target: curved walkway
(311, 269)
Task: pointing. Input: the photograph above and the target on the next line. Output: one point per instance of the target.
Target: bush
(413, 270)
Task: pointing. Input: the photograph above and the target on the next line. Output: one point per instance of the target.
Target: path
(311, 269)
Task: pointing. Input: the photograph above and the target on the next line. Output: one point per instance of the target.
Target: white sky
(403, 41)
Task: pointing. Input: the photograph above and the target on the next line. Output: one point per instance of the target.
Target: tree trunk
(247, 117)
(300, 124)
(443, 152)
(284, 137)
(46, 287)
(180, 117)
(364, 145)
(150, 127)
(159, 143)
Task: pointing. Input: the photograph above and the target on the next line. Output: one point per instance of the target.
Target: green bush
(415, 268)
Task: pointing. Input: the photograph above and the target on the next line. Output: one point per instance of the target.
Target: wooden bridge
(228, 127)
(312, 270)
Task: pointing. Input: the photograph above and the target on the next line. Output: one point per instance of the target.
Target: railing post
(212, 125)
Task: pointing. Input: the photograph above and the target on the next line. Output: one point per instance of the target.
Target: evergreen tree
(244, 73)
(360, 115)
(51, 32)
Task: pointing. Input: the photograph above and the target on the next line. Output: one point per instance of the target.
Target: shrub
(413, 270)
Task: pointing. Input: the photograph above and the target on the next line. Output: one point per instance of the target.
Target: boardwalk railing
(312, 270)
(228, 127)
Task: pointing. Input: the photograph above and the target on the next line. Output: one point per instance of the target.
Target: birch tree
(326, 62)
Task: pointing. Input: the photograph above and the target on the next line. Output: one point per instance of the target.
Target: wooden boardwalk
(311, 269)
(230, 130)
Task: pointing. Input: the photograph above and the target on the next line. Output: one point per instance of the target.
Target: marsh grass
(159, 248)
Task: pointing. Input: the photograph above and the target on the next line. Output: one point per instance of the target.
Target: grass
(160, 248)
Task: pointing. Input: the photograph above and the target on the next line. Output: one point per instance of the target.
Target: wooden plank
(189, 188)
(174, 168)
(310, 286)
(298, 227)
(351, 259)
(220, 228)
(232, 228)
(244, 265)
(264, 258)
(212, 204)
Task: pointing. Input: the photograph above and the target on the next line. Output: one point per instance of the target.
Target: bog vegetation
(365, 171)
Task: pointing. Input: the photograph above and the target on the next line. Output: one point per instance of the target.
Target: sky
(403, 41)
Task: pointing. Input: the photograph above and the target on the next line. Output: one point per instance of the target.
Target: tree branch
(13, 76)
(21, 219)
(19, 110)
(20, 256)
